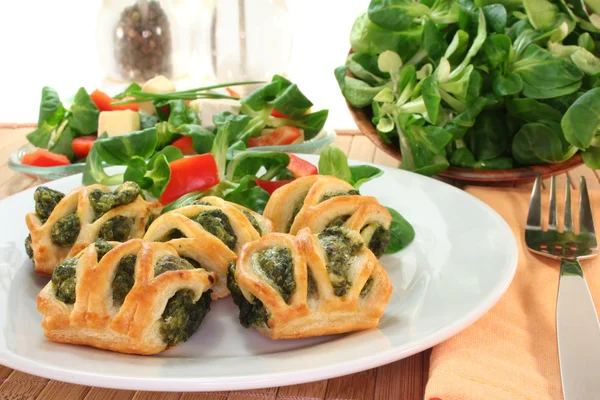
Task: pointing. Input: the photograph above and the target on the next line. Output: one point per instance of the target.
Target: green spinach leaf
(84, 114)
(581, 122)
(249, 195)
(50, 116)
(333, 161)
(401, 233)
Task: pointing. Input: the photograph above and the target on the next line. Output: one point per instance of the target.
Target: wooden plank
(343, 142)
(312, 391)
(383, 158)
(205, 396)
(402, 380)
(20, 385)
(589, 174)
(4, 373)
(56, 390)
(157, 396)
(109, 394)
(561, 182)
(357, 386)
(348, 132)
(426, 363)
(362, 149)
(256, 394)
(12, 182)
(10, 142)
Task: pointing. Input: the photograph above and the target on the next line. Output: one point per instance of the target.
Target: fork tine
(568, 212)
(586, 220)
(552, 212)
(534, 216)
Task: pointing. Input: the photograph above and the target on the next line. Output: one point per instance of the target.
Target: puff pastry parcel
(217, 226)
(320, 201)
(134, 297)
(309, 285)
(63, 225)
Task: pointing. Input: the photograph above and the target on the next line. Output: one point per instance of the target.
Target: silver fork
(577, 326)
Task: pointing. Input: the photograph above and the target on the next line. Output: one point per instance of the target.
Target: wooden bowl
(362, 117)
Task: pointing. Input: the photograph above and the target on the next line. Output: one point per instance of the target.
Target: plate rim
(275, 379)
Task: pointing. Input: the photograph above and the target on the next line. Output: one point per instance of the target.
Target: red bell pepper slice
(301, 168)
(279, 137)
(277, 114)
(104, 102)
(190, 174)
(185, 144)
(233, 93)
(83, 145)
(271, 186)
(44, 158)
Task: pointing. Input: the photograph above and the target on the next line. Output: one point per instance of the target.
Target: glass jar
(250, 39)
(140, 39)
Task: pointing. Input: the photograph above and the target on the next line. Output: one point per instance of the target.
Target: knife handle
(578, 332)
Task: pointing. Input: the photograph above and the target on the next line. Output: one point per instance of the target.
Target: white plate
(462, 260)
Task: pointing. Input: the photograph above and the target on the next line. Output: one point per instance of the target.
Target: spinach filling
(277, 265)
(65, 230)
(217, 223)
(64, 280)
(171, 263)
(194, 263)
(46, 200)
(201, 203)
(174, 234)
(312, 285)
(339, 248)
(338, 221)
(28, 248)
(331, 195)
(116, 229)
(124, 278)
(103, 202)
(182, 316)
(251, 314)
(379, 239)
(297, 209)
(367, 288)
(151, 219)
(102, 247)
(253, 221)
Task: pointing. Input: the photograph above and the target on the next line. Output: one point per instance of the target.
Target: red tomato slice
(279, 137)
(45, 158)
(104, 102)
(301, 168)
(190, 174)
(270, 186)
(83, 145)
(185, 144)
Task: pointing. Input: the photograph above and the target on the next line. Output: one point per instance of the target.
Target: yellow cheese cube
(158, 84)
(118, 122)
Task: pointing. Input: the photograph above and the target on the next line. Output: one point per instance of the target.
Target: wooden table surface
(404, 379)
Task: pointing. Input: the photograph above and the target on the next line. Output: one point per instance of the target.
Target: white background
(53, 43)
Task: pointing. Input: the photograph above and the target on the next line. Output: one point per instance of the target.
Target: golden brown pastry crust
(94, 320)
(47, 255)
(316, 214)
(314, 315)
(204, 247)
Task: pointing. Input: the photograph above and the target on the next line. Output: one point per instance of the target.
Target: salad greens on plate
(276, 114)
(478, 84)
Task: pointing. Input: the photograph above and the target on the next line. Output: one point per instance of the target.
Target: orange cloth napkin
(511, 352)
